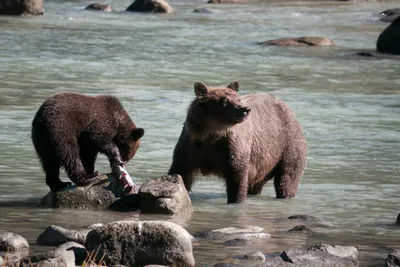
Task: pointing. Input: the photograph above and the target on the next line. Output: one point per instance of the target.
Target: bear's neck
(201, 130)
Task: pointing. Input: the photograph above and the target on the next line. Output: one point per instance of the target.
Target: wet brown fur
(70, 129)
(247, 152)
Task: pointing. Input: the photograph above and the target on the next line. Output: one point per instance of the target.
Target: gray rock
(166, 195)
(389, 12)
(202, 10)
(11, 242)
(1, 261)
(79, 251)
(21, 7)
(299, 228)
(152, 6)
(135, 243)
(255, 256)
(389, 40)
(99, 7)
(236, 232)
(340, 251)
(56, 235)
(238, 242)
(398, 219)
(393, 259)
(100, 194)
(310, 258)
(50, 259)
(301, 41)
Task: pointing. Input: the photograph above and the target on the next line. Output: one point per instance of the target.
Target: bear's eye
(224, 102)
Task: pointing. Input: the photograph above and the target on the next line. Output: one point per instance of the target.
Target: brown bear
(70, 129)
(246, 140)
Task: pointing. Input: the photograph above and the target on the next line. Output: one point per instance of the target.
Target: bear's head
(215, 109)
(129, 144)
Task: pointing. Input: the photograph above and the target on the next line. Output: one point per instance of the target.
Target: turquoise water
(348, 106)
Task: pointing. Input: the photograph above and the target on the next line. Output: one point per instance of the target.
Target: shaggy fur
(70, 129)
(246, 140)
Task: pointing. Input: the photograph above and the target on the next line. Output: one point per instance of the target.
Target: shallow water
(348, 107)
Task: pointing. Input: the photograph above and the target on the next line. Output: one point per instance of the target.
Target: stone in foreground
(134, 243)
(301, 41)
(165, 195)
(21, 7)
(11, 242)
(393, 259)
(100, 194)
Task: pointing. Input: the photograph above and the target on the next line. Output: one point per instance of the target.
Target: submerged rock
(142, 243)
(100, 194)
(153, 6)
(309, 258)
(11, 242)
(56, 235)
(238, 242)
(235, 232)
(21, 7)
(100, 7)
(389, 40)
(393, 259)
(340, 251)
(398, 219)
(301, 41)
(299, 228)
(165, 195)
(202, 10)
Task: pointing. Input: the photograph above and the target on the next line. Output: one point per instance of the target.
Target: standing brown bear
(70, 129)
(246, 140)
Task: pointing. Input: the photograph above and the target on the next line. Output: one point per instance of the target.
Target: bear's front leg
(112, 152)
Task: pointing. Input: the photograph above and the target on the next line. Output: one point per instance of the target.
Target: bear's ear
(234, 86)
(137, 133)
(200, 89)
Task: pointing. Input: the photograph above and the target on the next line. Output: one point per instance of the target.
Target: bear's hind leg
(287, 179)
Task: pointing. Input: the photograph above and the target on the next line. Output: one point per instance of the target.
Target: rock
(389, 18)
(299, 228)
(255, 256)
(100, 194)
(235, 232)
(50, 259)
(389, 40)
(301, 41)
(1, 261)
(21, 7)
(398, 219)
(393, 259)
(310, 258)
(100, 7)
(202, 10)
(166, 195)
(56, 235)
(153, 6)
(135, 243)
(11, 242)
(340, 251)
(126, 203)
(231, 1)
(390, 15)
(238, 242)
(79, 251)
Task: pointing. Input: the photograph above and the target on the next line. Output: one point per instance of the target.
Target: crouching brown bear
(70, 129)
(246, 140)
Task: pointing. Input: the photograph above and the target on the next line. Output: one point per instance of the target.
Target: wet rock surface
(11, 242)
(230, 233)
(56, 235)
(301, 41)
(150, 6)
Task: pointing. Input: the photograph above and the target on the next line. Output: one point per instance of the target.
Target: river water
(348, 106)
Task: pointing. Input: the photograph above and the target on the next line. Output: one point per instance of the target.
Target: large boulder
(100, 194)
(152, 6)
(301, 41)
(389, 40)
(56, 235)
(393, 259)
(21, 7)
(166, 195)
(11, 242)
(133, 243)
(99, 7)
